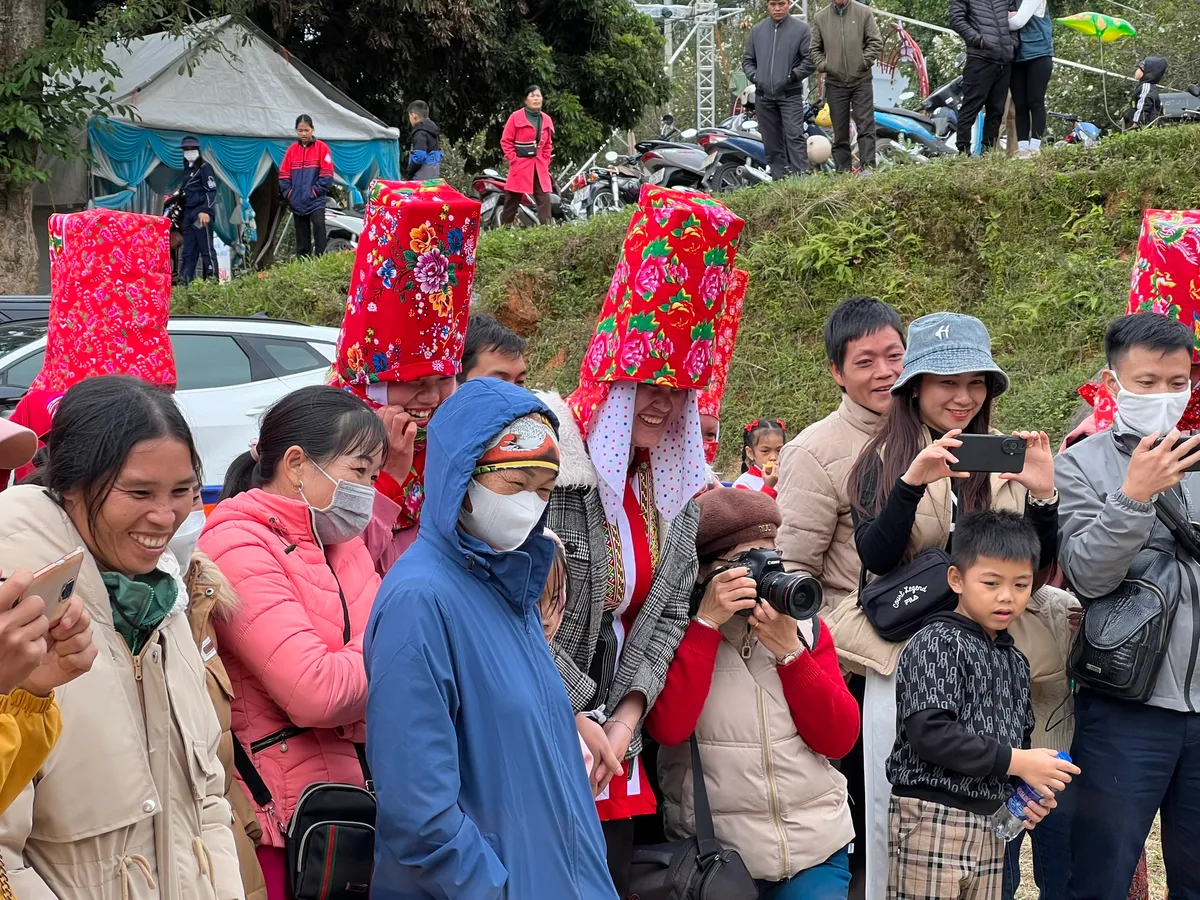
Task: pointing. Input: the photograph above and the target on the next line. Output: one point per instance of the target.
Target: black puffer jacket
(983, 26)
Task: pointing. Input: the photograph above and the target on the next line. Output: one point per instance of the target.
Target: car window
(209, 361)
(23, 371)
(287, 357)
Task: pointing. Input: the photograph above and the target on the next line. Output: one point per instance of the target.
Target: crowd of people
(552, 653)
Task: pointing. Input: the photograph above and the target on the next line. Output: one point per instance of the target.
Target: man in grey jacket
(777, 62)
(1136, 759)
(845, 45)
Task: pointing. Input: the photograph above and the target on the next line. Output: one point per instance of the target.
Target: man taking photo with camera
(1139, 752)
(763, 694)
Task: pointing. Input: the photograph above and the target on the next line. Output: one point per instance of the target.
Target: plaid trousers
(936, 852)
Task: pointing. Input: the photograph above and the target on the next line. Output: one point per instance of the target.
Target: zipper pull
(747, 644)
(137, 668)
(271, 815)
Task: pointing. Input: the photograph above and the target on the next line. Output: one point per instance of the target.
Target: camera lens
(798, 596)
(1012, 446)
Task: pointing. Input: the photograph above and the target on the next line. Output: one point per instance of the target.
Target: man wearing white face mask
(482, 793)
(1136, 758)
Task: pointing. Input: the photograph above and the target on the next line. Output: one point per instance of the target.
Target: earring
(300, 488)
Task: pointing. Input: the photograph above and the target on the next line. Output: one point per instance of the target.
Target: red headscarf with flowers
(407, 309)
(727, 332)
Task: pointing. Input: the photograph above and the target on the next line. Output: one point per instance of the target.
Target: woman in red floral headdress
(401, 342)
(632, 460)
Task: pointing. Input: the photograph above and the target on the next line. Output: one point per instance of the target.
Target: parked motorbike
(489, 188)
(618, 183)
(1180, 106)
(677, 165)
(737, 157)
(942, 105)
(1082, 134)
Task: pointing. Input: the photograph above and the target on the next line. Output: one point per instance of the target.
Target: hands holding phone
(34, 655)
(933, 463)
(1037, 476)
(1154, 469)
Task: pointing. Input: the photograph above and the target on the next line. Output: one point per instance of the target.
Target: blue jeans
(829, 880)
(1135, 761)
(1051, 850)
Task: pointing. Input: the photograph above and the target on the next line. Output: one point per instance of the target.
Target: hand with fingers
(1038, 810)
(933, 463)
(727, 593)
(770, 473)
(23, 631)
(402, 432)
(777, 631)
(1042, 769)
(71, 651)
(606, 764)
(1037, 476)
(1153, 470)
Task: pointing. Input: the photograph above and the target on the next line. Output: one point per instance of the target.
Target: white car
(229, 369)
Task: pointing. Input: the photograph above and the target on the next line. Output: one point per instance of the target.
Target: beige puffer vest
(780, 805)
(860, 647)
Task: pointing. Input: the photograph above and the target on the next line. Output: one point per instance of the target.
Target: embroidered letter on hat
(943, 332)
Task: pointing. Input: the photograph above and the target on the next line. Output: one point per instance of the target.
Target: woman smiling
(146, 817)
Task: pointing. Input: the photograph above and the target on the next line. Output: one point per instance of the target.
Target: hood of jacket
(1154, 68)
(970, 626)
(428, 127)
(458, 435)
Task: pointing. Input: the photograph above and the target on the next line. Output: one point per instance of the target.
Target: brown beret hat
(732, 516)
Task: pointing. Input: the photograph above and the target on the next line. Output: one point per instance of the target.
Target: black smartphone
(989, 453)
(1195, 454)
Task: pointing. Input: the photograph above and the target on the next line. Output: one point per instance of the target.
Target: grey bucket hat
(949, 344)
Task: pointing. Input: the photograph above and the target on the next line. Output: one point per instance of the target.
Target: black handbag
(1122, 642)
(330, 840)
(695, 868)
(900, 603)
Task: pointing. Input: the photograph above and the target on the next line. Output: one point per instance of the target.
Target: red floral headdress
(407, 309)
(727, 332)
(658, 323)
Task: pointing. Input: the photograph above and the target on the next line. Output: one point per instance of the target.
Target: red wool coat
(520, 171)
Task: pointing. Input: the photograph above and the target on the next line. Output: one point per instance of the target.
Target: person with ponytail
(905, 500)
(762, 440)
(287, 534)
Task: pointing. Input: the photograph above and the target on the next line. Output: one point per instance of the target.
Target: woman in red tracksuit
(305, 176)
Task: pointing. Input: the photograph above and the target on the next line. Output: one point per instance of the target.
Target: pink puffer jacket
(284, 648)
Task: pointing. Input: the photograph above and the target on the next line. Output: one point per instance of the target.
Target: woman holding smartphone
(905, 500)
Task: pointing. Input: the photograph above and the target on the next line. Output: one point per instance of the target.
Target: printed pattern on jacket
(985, 683)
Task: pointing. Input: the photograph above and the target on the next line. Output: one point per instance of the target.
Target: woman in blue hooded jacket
(482, 790)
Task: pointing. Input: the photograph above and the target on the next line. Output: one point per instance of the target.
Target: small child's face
(1138, 73)
(765, 451)
(993, 592)
(413, 118)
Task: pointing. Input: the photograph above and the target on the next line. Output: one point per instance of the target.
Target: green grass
(1040, 250)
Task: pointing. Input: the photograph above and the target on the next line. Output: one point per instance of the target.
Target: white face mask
(183, 544)
(1144, 414)
(191, 155)
(348, 513)
(502, 521)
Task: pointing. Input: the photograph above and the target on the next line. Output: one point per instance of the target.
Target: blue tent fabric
(132, 152)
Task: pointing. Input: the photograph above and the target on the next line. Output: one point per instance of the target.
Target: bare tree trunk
(24, 28)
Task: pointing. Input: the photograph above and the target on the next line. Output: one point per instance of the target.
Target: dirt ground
(1154, 868)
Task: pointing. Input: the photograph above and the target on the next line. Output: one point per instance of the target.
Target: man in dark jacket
(425, 159)
(991, 46)
(777, 62)
(845, 44)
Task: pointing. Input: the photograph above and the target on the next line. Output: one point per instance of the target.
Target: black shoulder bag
(330, 841)
(695, 868)
(1122, 642)
(900, 603)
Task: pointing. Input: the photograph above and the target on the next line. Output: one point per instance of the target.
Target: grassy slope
(1040, 250)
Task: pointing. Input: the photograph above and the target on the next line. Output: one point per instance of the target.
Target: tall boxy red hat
(659, 320)
(406, 313)
(1166, 276)
(727, 332)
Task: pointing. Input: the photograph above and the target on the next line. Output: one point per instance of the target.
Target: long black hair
(756, 429)
(97, 425)
(901, 437)
(323, 421)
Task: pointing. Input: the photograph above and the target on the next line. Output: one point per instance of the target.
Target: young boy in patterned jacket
(964, 719)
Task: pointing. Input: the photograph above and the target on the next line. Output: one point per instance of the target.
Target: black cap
(191, 142)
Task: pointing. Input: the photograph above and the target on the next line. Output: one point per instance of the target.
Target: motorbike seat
(906, 113)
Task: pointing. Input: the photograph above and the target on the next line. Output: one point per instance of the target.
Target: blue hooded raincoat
(481, 785)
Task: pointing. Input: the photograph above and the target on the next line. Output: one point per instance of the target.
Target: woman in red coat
(528, 143)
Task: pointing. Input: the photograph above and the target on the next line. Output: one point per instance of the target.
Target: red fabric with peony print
(406, 312)
(657, 324)
(1166, 276)
(727, 332)
(110, 296)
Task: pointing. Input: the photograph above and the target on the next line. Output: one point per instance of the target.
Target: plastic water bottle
(221, 249)
(1009, 820)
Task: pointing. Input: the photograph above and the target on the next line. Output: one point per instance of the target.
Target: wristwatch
(783, 661)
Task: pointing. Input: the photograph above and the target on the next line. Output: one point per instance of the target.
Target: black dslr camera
(798, 596)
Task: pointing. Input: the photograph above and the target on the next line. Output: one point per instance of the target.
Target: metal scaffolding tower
(702, 16)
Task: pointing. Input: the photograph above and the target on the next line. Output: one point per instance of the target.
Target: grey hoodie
(777, 57)
(1101, 531)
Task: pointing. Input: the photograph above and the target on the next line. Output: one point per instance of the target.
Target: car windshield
(15, 335)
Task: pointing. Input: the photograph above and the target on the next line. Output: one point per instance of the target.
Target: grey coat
(576, 515)
(1101, 531)
(777, 57)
